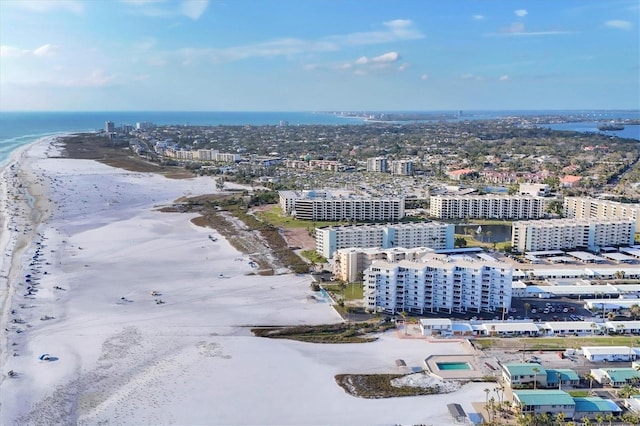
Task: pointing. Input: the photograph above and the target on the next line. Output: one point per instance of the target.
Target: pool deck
(480, 367)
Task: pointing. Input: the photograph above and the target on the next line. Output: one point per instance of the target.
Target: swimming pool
(453, 365)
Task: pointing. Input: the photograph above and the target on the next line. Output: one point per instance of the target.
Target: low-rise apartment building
(435, 235)
(489, 206)
(438, 283)
(565, 234)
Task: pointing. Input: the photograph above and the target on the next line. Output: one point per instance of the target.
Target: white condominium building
(377, 164)
(322, 206)
(564, 234)
(535, 189)
(437, 283)
(487, 206)
(585, 208)
(349, 263)
(402, 168)
(435, 235)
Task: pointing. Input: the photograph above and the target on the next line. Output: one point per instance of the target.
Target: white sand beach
(80, 286)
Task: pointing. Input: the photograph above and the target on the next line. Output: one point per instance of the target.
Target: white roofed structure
(511, 328)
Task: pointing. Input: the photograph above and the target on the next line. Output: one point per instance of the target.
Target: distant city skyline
(319, 55)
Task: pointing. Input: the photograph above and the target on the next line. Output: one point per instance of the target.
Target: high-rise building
(402, 167)
(109, 127)
(435, 235)
(489, 206)
(567, 234)
(377, 164)
(438, 283)
(585, 208)
(322, 206)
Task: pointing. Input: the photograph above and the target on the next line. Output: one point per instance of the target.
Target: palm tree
(499, 390)
(586, 421)
(630, 418)
(486, 395)
(559, 376)
(535, 370)
(610, 418)
(527, 307)
(600, 419)
(635, 311)
(403, 314)
(560, 418)
(589, 377)
(543, 419)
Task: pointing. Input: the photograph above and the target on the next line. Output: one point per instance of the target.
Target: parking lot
(557, 309)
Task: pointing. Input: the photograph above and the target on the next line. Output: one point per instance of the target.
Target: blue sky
(311, 55)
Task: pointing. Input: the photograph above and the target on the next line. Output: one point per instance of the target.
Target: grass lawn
(578, 393)
(313, 256)
(472, 242)
(554, 343)
(353, 291)
(275, 217)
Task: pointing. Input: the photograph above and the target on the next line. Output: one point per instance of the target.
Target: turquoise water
(453, 365)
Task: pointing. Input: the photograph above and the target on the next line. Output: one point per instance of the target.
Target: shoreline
(20, 216)
(139, 328)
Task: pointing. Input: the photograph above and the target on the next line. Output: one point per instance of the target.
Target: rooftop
(543, 397)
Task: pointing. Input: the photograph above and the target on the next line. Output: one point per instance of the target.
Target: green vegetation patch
(555, 343)
(379, 386)
(328, 333)
(275, 217)
(313, 256)
(578, 393)
(350, 291)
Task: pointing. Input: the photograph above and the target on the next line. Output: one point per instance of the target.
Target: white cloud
(504, 77)
(194, 8)
(46, 50)
(518, 29)
(521, 13)
(470, 76)
(396, 30)
(386, 57)
(478, 17)
(14, 52)
(619, 24)
(381, 63)
(424, 77)
(97, 78)
(74, 6)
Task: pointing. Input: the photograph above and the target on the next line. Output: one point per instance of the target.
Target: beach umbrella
(44, 357)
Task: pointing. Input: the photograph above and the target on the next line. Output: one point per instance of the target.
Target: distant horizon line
(323, 111)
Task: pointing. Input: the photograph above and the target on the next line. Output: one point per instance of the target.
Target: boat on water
(611, 126)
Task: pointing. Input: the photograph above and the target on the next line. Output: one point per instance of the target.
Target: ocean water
(21, 128)
(629, 131)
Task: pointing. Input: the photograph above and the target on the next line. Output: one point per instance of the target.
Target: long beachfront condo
(320, 205)
(438, 283)
(487, 206)
(586, 208)
(566, 234)
(435, 235)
